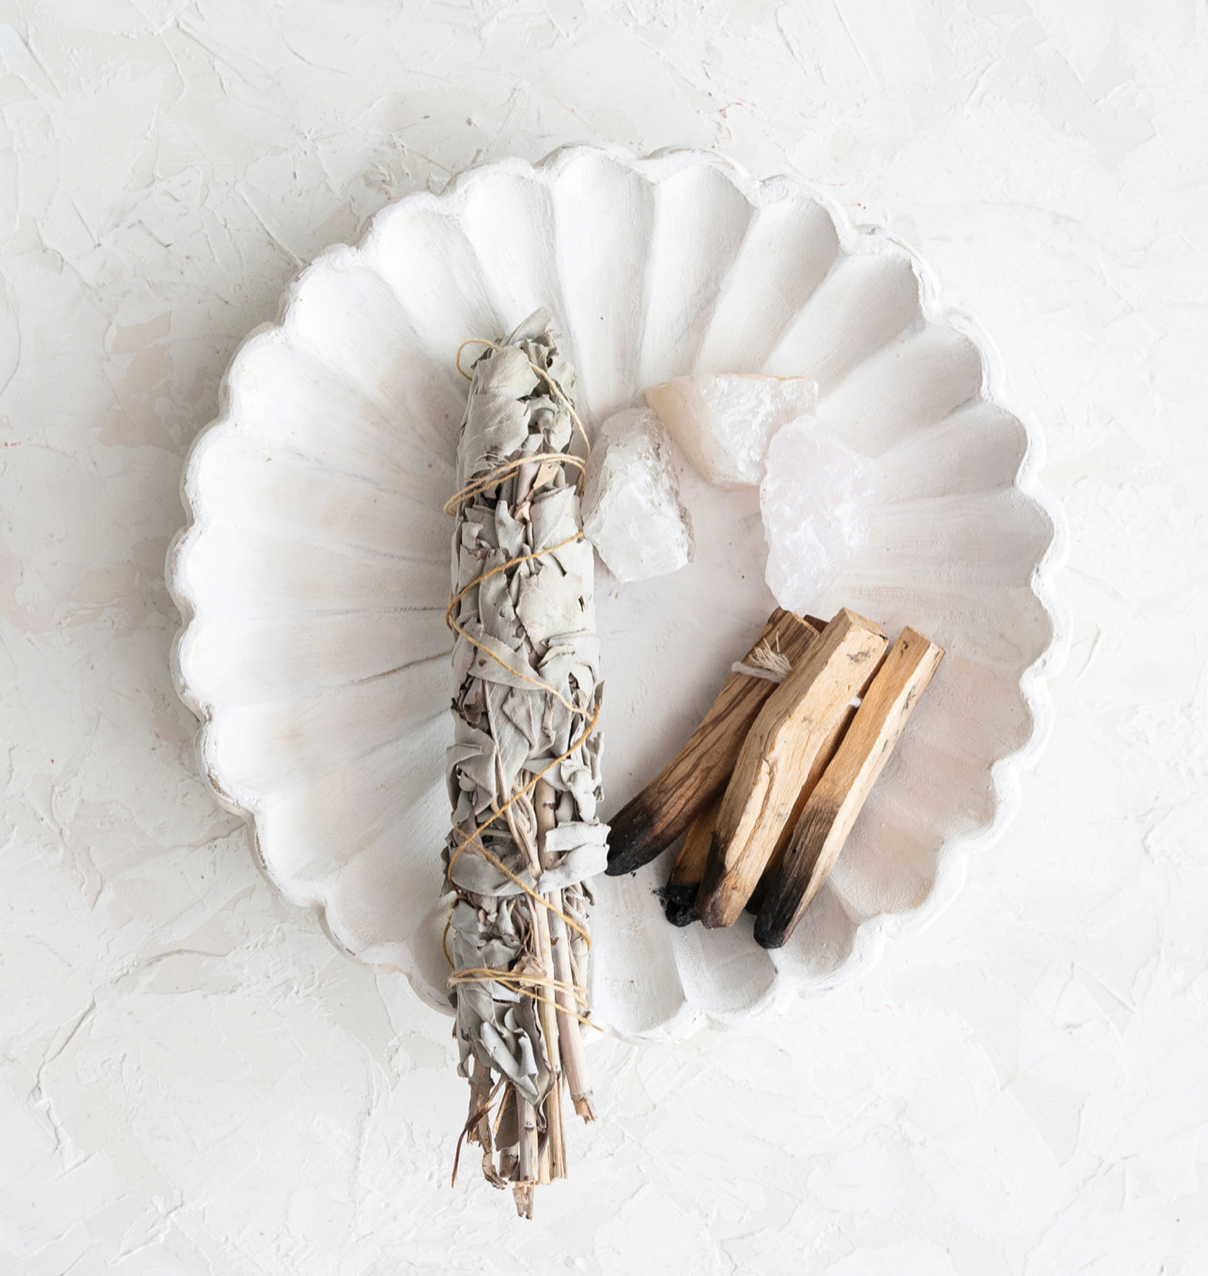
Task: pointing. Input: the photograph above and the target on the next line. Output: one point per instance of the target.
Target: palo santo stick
(833, 806)
(821, 762)
(776, 757)
(684, 787)
(679, 895)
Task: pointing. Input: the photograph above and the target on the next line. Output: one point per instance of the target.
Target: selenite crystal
(631, 505)
(724, 423)
(816, 499)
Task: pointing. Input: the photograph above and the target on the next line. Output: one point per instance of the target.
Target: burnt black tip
(627, 855)
(769, 935)
(679, 904)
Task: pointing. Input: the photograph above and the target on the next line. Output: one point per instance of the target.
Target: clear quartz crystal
(631, 505)
(724, 423)
(816, 501)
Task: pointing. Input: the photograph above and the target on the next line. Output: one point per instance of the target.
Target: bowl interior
(315, 570)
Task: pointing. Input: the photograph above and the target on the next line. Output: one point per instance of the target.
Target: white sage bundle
(524, 771)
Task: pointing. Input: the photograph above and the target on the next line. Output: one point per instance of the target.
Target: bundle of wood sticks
(769, 785)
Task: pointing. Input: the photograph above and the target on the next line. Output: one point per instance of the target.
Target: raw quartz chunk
(631, 505)
(816, 500)
(724, 423)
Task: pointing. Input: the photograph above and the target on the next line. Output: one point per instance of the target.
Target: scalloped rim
(871, 935)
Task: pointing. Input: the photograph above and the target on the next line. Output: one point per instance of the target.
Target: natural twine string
(507, 872)
(503, 567)
(458, 499)
(507, 978)
(773, 666)
(514, 981)
(472, 974)
(765, 663)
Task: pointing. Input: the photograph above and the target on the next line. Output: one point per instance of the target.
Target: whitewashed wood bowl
(313, 573)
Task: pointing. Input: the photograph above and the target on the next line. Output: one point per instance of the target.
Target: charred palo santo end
(775, 760)
(684, 787)
(821, 762)
(679, 895)
(834, 804)
(679, 903)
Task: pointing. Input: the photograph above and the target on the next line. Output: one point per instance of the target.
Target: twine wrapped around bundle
(524, 771)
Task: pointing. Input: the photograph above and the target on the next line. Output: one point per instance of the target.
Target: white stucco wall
(192, 1079)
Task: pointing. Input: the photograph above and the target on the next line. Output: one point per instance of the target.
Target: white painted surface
(192, 1079)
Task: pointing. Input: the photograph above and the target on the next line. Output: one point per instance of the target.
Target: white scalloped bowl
(314, 572)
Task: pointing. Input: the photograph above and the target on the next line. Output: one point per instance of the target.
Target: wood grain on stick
(834, 804)
(776, 757)
(828, 750)
(683, 788)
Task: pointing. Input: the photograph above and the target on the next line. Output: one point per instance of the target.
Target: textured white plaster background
(192, 1080)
